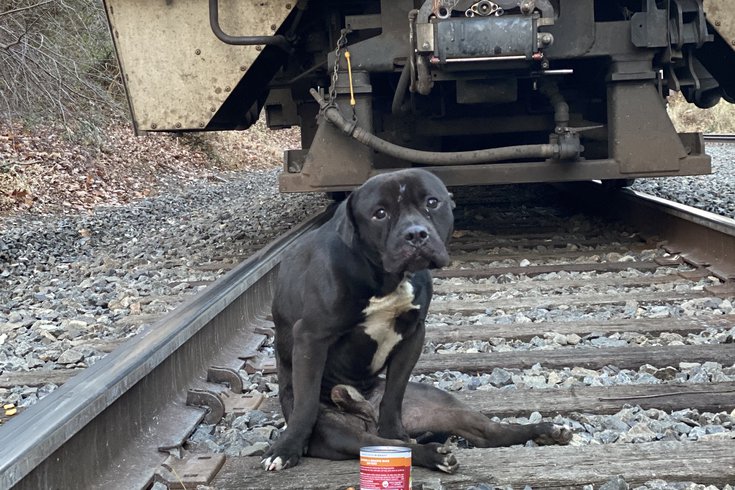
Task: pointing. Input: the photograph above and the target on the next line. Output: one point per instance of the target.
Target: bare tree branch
(28, 7)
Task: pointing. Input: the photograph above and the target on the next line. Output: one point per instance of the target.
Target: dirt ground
(48, 170)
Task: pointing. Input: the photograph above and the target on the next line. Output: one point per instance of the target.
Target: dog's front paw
(279, 457)
(436, 457)
(553, 434)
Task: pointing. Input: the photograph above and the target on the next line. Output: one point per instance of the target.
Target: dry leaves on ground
(43, 170)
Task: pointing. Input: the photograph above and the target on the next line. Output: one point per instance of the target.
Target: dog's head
(402, 219)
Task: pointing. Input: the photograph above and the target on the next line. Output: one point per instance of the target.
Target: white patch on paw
(276, 465)
(272, 464)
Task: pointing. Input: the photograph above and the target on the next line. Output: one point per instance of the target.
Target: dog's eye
(380, 214)
(432, 203)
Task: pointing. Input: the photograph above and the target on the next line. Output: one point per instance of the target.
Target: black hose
(400, 94)
(350, 128)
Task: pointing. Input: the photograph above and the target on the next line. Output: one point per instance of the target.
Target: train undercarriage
(479, 92)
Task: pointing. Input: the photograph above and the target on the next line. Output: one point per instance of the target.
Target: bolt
(201, 125)
(718, 23)
(227, 89)
(212, 109)
(288, 6)
(243, 68)
(154, 126)
(178, 125)
(273, 27)
(258, 48)
(198, 52)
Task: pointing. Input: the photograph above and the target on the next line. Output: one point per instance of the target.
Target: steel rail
(701, 237)
(121, 408)
(719, 138)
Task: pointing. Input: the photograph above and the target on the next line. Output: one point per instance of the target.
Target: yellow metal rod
(349, 75)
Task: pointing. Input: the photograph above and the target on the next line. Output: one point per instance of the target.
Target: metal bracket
(189, 471)
(240, 404)
(261, 363)
(228, 376)
(277, 40)
(204, 398)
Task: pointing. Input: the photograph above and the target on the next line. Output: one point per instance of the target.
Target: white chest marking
(380, 319)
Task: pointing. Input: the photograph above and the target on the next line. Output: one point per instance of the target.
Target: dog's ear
(346, 226)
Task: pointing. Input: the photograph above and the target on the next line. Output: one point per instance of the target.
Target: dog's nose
(417, 235)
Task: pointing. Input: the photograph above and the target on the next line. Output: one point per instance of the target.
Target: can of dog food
(385, 468)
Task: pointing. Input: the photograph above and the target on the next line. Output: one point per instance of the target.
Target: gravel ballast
(71, 284)
(714, 193)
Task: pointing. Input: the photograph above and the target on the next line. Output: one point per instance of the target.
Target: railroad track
(719, 138)
(537, 300)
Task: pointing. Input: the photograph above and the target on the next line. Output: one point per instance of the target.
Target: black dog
(350, 304)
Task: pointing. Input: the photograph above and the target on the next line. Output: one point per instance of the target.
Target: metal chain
(341, 43)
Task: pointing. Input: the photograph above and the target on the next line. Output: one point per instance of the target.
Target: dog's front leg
(400, 364)
(309, 357)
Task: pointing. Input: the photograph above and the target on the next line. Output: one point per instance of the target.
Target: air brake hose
(550, 150)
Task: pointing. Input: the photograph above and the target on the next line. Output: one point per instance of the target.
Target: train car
(477, 91)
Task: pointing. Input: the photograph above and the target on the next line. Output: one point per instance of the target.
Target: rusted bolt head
(273, 27)
(258, 48)
(243, 68)
(198, 52)
(201, 125)
(288, 6)
(227, 89)
(178, 125)
(154, 126)
(718, 23)
(212, 109)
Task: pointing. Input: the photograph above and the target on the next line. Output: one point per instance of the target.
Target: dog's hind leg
(351, 424)
(338, 435)
(429, 410)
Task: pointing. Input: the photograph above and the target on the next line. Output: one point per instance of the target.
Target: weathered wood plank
(707, 462)
(535, 270)
(557, 241)
(712, 397)
(446, 286)
(590, 358)
(526, 331)
(537, 255)
(475, 306)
